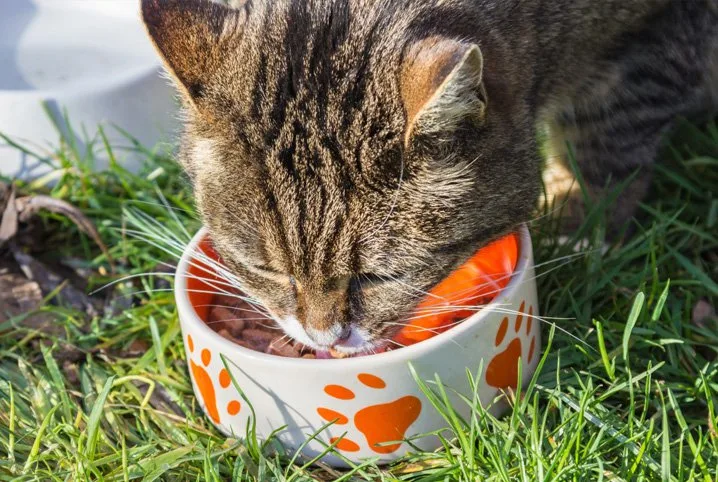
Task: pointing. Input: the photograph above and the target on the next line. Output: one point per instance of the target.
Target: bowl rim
(191, 320)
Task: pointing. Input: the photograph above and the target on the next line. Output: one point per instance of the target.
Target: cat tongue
(323, 355)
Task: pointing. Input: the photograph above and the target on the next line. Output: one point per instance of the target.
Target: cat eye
(260, 268)
(374, 277)
(268, 272)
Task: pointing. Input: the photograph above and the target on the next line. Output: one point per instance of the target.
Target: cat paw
(205, 384)
(502, 371)
(379, 424)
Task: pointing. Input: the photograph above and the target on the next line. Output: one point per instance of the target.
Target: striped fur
(340, 177)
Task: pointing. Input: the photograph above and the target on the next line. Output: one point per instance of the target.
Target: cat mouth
(357, 343)
(342, 351)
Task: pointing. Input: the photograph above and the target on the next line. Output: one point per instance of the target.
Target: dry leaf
(28, 205)
(50, 281)
(19, 296)
(8, 223)
(419, 466)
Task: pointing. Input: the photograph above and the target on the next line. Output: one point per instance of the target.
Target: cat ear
(441, 86)
(188, 35)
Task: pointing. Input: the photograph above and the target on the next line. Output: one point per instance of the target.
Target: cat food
(460, 295)
(239, 322)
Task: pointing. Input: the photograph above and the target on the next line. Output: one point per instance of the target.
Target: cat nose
(324, 315)
(331, 336)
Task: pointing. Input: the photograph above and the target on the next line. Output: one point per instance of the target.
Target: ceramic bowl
(374, 401)
(89, 60)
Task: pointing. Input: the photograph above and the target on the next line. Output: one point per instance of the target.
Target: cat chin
(366, 349)
(358, 342)
(355, 343)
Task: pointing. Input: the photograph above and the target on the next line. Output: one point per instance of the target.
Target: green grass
(626, 391)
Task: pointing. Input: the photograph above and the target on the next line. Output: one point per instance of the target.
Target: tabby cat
(348, 154)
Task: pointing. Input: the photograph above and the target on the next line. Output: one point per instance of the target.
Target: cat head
(343, 160)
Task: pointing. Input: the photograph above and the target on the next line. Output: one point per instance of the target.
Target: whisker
(383, 273)
(160, 274)
(418, 328)
(163, 199)
(156, 234)
(556, 208)
(219, 269)
(169, 290)
(241, 319)
(399, 282)
(565, 260)
(394, 342)
(144, 220)
(477, 308)
(287, 342)
(510, 312)
(234, 308)
(127, 278)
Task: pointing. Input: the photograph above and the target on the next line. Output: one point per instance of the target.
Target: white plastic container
(90, 59)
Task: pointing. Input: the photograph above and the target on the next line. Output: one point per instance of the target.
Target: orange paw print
(503, 369)
(381, 423)
(206, 386)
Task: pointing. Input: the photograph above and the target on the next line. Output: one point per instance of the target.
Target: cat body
(348, 154)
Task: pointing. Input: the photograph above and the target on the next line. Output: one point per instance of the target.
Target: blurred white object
(90, 59)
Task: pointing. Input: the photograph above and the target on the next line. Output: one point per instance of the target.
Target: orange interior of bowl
(200, 278)
(475, 283)
(472, 285)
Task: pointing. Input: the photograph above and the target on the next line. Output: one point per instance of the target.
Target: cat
(347, 155)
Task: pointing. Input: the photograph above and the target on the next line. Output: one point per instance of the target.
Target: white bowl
(375, 397)
(89, 58)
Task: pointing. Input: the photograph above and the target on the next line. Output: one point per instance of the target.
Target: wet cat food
(243, 324)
